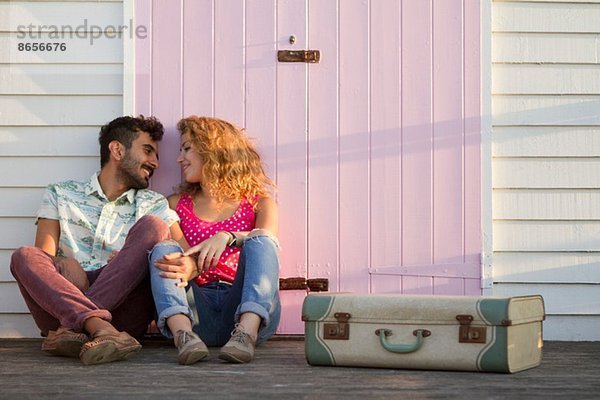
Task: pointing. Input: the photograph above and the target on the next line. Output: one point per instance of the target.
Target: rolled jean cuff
(255, 308)
(78, 324)
(169, 312)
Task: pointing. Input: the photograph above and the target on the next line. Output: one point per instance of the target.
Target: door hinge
(301, 283)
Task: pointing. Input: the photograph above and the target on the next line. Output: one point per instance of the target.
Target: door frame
(487, 281)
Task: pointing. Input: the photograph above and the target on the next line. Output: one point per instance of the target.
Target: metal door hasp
(306, 56)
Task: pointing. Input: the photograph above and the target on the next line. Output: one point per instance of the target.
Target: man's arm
(46, 238)
(47, 234)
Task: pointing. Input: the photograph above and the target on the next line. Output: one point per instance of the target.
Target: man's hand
(177, 266)
(112, 255)
(71, 270)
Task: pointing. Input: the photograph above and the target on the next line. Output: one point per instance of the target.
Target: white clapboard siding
(546, 141)
(572, 328)
(52, 104)
(546, 159)
(559, 299)
(547, 267)
(546, 79)
(59, 110)
(47, 170)
(49, 141)
(22, 232)
(525, 110)
(18, 326)
(16, 16)
(532, 235)
(547, 204)
(548, 173)
(5, 275)
(540, 17)
(20, 202)
(545, 48)
(61, 79)
(11, 300)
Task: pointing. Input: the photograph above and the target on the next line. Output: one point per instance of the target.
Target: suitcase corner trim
(316, 308)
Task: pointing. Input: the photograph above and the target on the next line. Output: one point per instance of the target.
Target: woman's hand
(177, 266)
(210, 250)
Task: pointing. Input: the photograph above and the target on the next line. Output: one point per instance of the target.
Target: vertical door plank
(143, 58)
(448, 286)
(417, 285)
(198, 50)
(166, 88)
(386, 284)
(261, 76)
(416, 133)
(292, 157)
(473, 286)
(386, 135)
(229, 61)
(323, 153)
(448, 216)
(472, 115)
(354, 145)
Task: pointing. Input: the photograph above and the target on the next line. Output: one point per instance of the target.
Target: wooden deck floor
(569, 371)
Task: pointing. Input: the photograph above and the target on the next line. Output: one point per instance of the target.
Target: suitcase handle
(421, 334)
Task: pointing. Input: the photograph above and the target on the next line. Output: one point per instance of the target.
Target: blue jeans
(214, 308)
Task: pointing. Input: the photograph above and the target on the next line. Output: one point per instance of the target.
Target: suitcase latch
(339, 331)
(468, 333)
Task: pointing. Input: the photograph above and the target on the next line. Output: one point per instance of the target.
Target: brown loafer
(64, 342)
(105, 347)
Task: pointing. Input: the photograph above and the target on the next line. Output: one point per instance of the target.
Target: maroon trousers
(119, 292)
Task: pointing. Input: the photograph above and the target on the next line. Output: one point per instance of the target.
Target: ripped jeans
(214, 308)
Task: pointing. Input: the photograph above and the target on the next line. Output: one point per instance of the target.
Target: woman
(230, 221)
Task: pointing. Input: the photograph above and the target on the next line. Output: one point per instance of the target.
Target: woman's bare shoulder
(173, 199)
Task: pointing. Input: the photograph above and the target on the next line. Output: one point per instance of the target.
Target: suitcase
(461, 333)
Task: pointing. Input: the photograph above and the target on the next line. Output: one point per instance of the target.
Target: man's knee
(154, 222)
(153, 226)
(22, 258)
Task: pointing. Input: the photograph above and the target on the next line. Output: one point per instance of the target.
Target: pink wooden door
(375, 149)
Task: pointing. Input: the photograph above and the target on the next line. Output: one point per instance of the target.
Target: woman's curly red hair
(232, 168)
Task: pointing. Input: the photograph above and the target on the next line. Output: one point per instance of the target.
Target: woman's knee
(263, 236)
(164, 247)
(167, 244)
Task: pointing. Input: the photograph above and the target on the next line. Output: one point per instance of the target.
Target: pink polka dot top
(197, 230)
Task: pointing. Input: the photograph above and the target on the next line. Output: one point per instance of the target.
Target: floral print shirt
(91, 226)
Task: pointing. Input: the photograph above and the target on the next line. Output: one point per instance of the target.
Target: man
(88, 298)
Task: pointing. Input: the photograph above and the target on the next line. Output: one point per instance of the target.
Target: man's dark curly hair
(125, 130)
